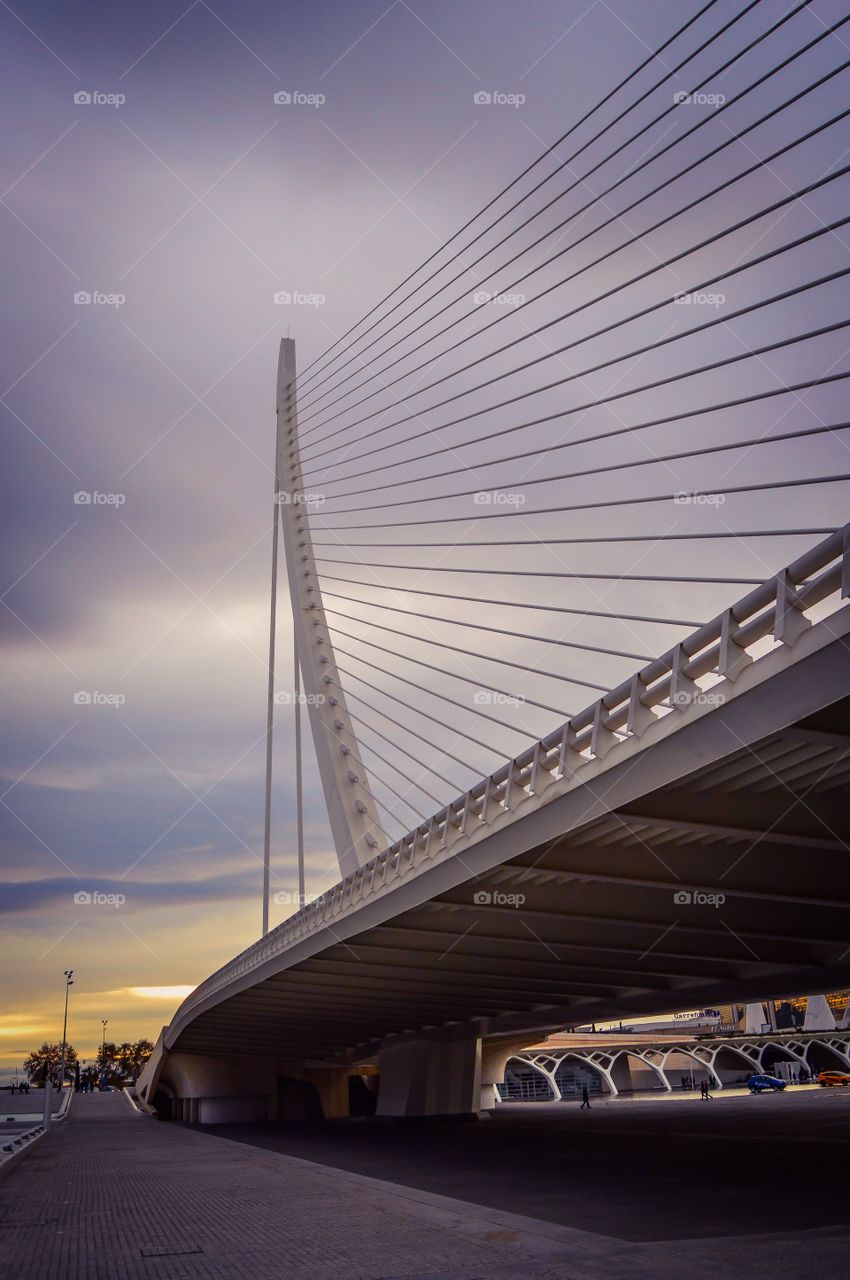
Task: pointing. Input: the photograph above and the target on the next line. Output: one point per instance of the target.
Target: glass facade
(571, 1076)
(524, 1084)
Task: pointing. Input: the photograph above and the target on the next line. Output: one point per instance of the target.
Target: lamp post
(69, 982)
(103, 1023)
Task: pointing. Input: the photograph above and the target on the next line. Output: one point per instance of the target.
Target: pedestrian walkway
(19, 1107)
(112, 1195)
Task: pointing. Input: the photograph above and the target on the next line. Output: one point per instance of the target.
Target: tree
(107, 1061)
(122, 1063)
(46, 1062)
(132, 1058)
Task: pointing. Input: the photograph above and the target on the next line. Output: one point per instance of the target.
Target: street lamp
(103, 1023)
(69, 982)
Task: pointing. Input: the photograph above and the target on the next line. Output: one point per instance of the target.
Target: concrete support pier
(436, 1075)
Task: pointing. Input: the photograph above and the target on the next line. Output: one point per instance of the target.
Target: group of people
(22, 1086)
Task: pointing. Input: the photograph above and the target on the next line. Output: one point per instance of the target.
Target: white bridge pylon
(352, 811)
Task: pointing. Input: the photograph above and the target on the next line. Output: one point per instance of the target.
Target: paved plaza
(654, 1168)
(112, 1194)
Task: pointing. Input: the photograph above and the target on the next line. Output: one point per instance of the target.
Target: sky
(183, 186)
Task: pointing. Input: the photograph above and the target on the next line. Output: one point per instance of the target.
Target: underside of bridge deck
(731, 881)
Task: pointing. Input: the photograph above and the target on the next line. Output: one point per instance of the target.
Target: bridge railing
(720, 649)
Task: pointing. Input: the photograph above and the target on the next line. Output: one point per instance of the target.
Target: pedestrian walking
(585, 1098)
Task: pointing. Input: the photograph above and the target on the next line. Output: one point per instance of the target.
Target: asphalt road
(640, 1170)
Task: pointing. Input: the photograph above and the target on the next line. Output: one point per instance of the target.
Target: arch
(597, 1075)
(821, 1055)
(773, 1053)
(641, 1057)
(840, 1044)
(706, 1063)
(727, 1061)
(519, 1084)
(547, 1065)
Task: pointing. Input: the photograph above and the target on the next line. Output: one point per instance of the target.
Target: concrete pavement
(656, 1169)
(112, 1194)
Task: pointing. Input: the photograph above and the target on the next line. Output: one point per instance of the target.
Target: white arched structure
(751, 1051)
(693, 1052)
(647, 1057)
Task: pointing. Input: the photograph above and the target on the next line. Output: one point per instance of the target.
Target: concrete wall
(432, 1076)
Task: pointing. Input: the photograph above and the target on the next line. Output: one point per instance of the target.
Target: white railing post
(733, 656)
(789, 622)
(640, 717)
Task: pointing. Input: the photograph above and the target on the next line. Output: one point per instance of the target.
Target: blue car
(765, 1084)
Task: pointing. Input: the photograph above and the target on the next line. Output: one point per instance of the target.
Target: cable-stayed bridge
(565, 524)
